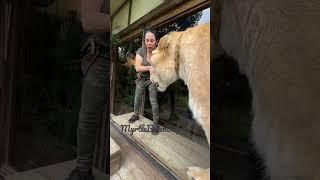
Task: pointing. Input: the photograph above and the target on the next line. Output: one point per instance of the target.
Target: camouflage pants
(141, 85)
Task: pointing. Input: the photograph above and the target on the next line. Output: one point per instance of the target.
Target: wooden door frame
(8, 60)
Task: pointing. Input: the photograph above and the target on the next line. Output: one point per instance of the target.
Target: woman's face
(150, 40)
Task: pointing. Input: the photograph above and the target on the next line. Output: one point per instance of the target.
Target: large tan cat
(186, 55)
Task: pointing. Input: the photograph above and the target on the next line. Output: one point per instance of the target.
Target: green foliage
(180, 24)
(114, 39)
(127, 87)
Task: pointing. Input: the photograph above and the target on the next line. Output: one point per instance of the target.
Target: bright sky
(205, 18)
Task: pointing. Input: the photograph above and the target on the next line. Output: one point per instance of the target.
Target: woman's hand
(151, 69)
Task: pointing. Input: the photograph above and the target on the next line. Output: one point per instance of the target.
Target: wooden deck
(133, 166)
(175, 152)
(58, 171)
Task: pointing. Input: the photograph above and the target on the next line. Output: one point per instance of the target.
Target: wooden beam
(163, 8)
(2, 24)
(11, 115)
(130, 7)
(4, 131)
(8, 14)
(2, 76)
(2, 44)
(164, 14)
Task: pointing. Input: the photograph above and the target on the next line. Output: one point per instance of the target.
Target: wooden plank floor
(174, 151)
(58, 171)
(133, 165)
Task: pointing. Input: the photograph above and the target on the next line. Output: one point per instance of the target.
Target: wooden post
(2, 65)
(2, 24)
(113, 75)
(10, 93)
(8, 116)
(129, 16)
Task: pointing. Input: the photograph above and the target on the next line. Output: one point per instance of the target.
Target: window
(185, 135)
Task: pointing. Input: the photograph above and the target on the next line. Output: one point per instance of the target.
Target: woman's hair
(151, 31)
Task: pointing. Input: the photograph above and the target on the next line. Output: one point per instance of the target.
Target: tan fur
(130, 61)
(276, 44)
(186, 55)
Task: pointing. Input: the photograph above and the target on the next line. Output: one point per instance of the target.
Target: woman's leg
(154, 103)
(94, 98)
(139, 92)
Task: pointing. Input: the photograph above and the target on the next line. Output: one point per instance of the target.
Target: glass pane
(175, 116)
(48, 90)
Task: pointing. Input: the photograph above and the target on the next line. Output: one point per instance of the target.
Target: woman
(143, 68)
(95, 90)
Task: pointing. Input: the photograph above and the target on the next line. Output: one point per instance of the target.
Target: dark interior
(48, 88)
(234, 156)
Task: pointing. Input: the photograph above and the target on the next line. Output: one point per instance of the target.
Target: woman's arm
(138, 64)
(91, 17)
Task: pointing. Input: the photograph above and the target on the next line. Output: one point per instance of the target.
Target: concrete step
(114, 157)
